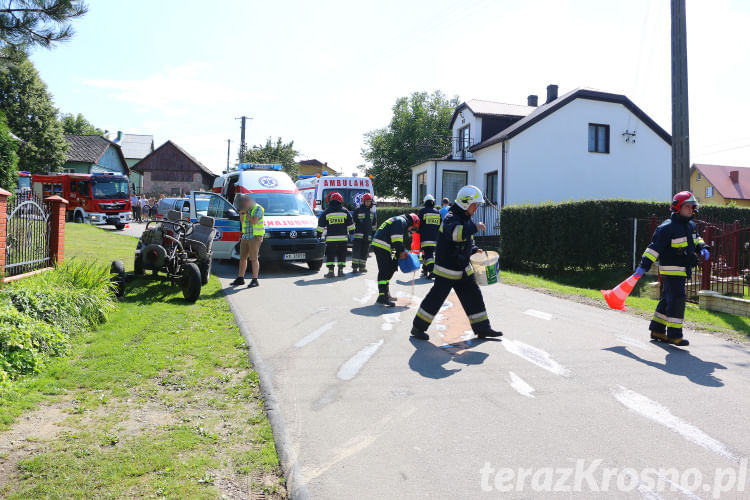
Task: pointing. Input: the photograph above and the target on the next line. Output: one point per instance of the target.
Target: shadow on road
(375, 310)
(428, 359)
(323, 281)
(419, 281)
(681, 363)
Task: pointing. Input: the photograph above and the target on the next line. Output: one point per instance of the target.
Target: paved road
(373, 414)
(134, 229)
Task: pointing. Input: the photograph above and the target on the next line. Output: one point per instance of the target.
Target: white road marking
(372, 289)
(349, 369)
(314, 335)
(535, 355)
(656, 412)
(520, 385)
(678, 487)
(538, 314)
(389, 319)
(634, 342)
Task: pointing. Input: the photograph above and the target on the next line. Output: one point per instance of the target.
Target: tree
(27, 23)
(78, 125)
(31, 116)
(418, 130)
(274, 153)
(8, 157)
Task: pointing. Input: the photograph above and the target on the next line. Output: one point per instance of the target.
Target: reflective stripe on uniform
(337, 238)
(320, 229)
(469, 270)
(396, 237)
(458, 233)
(447, 273)
(381, 244)
(651, 254)
(476, 318)
(359, 235)
(424, 315)
(429, 261)
(427, 244)
(672, 271)
(667, 321)
(698, 241)
(679, 242)
(351, 228)
(383, 282)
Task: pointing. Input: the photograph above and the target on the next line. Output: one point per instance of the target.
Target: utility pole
(229, 144)
(680, 127)
(243, 145)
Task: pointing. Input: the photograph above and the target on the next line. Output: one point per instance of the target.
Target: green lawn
(160, 401)
(589, 284)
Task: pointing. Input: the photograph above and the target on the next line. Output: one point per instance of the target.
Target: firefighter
(364, 221)
(388, 245)
(676, 245)
(455, 245)
(338, 222)
(429, 224)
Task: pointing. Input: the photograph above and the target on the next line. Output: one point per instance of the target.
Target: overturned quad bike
(178, 248)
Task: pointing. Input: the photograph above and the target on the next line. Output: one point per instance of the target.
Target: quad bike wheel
(205, 267)
(117, 270)
(191, 282)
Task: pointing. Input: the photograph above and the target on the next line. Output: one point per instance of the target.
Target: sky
(324, 73)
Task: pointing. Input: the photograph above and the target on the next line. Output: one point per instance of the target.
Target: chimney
(119, 136)
(532, 100)
(734, 175)
(551, 93)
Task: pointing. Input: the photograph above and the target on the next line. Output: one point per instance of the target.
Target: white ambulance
(316, 189)
(290, 222)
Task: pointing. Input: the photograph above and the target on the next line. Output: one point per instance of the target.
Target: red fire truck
(93, 198)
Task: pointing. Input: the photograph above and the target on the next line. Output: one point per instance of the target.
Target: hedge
(593, 234)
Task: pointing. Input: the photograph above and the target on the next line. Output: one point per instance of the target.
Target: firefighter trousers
(360, 251)
(468, 294)
(387, 266)
(335, 251)
(670, 311)
(428, 259)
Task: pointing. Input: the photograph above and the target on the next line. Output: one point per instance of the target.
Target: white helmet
(427, 198)
(468, 195)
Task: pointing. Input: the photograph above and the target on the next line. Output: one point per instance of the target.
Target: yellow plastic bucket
(486, 268)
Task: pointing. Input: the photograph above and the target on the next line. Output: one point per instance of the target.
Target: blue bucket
(409, 264)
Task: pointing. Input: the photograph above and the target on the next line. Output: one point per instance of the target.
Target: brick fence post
(3, 226)
(57, 228)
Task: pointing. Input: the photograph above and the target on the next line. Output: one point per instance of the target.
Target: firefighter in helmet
(676, 245)
(337, 222)
(429, 224)
(364, 221)
(453, 271)
(388, 245)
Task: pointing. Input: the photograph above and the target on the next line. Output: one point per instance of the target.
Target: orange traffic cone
(616, 298)
(127, 226)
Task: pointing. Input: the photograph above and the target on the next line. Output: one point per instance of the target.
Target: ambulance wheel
(205, 268)
(119, 227)
(117, 270)
(315, 265)
(191, 282)
(78, 218)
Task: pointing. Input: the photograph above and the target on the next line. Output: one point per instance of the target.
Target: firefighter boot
(662, 337)
(330, 273)
(488, 332)
(341, 270)
(419, 334)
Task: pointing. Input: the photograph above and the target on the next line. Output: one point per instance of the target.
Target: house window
(709, 191)
(598, 138)
(421, 187)
(452, 182)
(698, 177)
(490, 189)
(69, 171)
(464, 138)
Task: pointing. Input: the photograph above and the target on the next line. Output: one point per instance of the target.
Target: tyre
(138, 265)
(205, 268)
(191, 282)
(119, 227)
(315, 265)
(78, 218)
(117, 270)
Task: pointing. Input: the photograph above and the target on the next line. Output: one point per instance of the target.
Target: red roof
(730, 185)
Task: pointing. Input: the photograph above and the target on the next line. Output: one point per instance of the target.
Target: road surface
(573, 402)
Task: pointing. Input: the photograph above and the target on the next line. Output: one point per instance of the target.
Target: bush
(26, 343)
(596, 234)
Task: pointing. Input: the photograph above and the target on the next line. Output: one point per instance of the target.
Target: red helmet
(414, 219)
(366, 196)
(682, 198)
(335, 196)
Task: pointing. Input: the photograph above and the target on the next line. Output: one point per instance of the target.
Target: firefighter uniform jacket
(338, 221)
(675, 245)
(455, 245)
(390, 234)
(365, 221)
(429, 225)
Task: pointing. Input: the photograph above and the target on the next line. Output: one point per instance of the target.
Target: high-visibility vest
(258, 228)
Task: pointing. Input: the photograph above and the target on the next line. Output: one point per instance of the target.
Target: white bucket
(486, 268)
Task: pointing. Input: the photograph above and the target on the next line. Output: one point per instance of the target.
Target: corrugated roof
(90, 149)
(136, 146)
(718, 176)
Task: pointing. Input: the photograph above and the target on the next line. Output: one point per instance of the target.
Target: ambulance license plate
(294, 256)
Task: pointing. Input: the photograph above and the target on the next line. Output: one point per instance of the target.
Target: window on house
(452, 182)
(698, 177)
(490, 189)
(598, 138)
(421, 186)
(709, 191)
(464, 138)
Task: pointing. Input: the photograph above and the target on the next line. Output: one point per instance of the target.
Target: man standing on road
(453, 270)
(134, 206)
(388, 245)
(446, 205)
(364, 220)
(337, 222)
(253, 229)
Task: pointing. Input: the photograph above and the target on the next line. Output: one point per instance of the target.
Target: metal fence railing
(27, 243)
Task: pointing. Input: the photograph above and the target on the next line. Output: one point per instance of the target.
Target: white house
(585, 144)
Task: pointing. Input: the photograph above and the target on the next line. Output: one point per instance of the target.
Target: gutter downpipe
(502, 177)
(434, 181)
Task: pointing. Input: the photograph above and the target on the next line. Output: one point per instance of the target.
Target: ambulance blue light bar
(260, 166)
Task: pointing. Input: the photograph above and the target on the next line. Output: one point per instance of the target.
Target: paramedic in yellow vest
(251, 217)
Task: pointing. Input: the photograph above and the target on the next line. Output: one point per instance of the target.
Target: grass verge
(159, 401)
